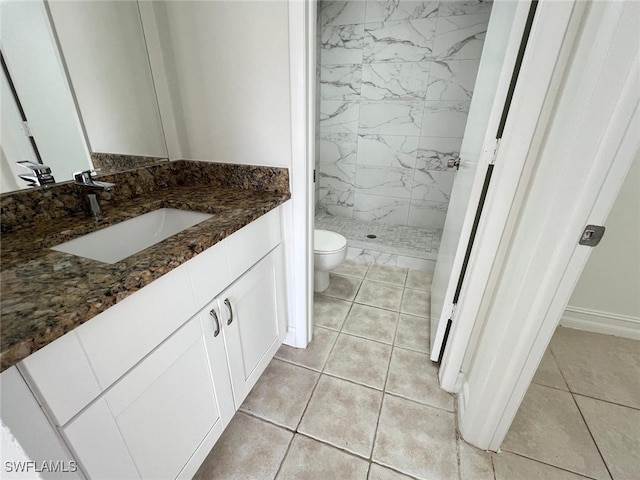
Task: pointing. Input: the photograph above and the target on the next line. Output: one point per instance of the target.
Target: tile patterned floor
(362, 401)
(393, 245)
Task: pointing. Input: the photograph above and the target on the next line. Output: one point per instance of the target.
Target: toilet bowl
(329, 250)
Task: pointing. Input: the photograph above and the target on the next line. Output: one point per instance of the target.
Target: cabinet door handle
(215, 319)
(228, 304)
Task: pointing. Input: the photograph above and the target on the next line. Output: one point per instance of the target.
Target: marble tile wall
(396, 80)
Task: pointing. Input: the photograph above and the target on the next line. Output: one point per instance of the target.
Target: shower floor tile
(399, 240)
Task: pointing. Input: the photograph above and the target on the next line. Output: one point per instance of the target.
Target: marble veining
(444, 118)
(46, 293)
(384, 181)
(340, 82)
(341, 12)
(460, 37)
(339, 117)
(341, 44)
(434, 153)
(375, 208)
(338, 147)
(396, 79)
(452, 79)
(448, 8)
(392, 118)
(432, 185)
(386, 11)
(403, 41)
(387, 150)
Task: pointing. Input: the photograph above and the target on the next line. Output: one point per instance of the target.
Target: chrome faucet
(38, 174)
(89, 187)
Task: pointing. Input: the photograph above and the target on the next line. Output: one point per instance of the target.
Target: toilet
(329, 250)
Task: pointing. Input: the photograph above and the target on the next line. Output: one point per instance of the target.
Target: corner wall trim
(601, 322)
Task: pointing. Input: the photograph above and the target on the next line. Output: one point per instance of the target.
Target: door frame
(299, 213)
(585, 141)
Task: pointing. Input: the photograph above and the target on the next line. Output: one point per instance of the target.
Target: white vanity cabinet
(151, 423)
(158, 408)
(249, 313)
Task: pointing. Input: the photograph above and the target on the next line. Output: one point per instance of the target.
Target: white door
(507, 25)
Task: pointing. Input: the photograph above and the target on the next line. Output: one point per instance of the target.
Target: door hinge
(27, 129)
(591, 235)
(314, 175)
(448, 310)
(495, 151)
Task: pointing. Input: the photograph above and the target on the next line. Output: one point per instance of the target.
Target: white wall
(104, 49)
(607, 296)
(36, 69)
(227, 66)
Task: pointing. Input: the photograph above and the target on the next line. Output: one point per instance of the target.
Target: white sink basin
(117, 242)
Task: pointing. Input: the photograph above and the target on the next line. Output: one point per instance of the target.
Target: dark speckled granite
(36, 205)
(115, 162)
(45, 294)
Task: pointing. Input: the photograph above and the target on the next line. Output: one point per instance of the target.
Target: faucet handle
(83, 177)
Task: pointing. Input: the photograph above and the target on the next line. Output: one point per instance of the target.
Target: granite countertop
(46, 293)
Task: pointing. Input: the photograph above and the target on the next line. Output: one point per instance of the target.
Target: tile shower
(395, 85)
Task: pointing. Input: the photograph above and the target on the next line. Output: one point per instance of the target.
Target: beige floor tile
(413, 333)
(475, 464)
(308, 459)
(360, 360)
(416, 302)
(329, 312)
(281, 394)
(616, 430)
(370, 322)
(248, 448)
(352, 268)
(599, 366)
(380, 295)
(412, 375)
(514, 467)
(343, 414)
(419, 280)
(387, 274)
(416, 439)
(341, 287)
(549, 428)
(316, 353)
(548, 373)
(378, 472)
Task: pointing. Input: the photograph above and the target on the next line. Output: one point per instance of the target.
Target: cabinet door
(167, 409)
(253, 314)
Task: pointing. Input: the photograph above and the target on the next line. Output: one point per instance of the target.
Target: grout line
(286, 453)
(591, 435)
(395, 469)
(604, 401)
(384, 389)
(548, 464)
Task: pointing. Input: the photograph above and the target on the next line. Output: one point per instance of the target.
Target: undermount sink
(117, 242)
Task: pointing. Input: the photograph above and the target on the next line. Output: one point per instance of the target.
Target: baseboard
(601, 322)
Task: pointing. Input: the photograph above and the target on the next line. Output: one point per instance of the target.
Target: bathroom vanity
(144, 388)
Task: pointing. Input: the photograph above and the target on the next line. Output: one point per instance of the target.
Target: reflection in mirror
(81, 70)
(35, 67)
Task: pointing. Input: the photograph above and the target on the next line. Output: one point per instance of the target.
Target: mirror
(82, 77)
